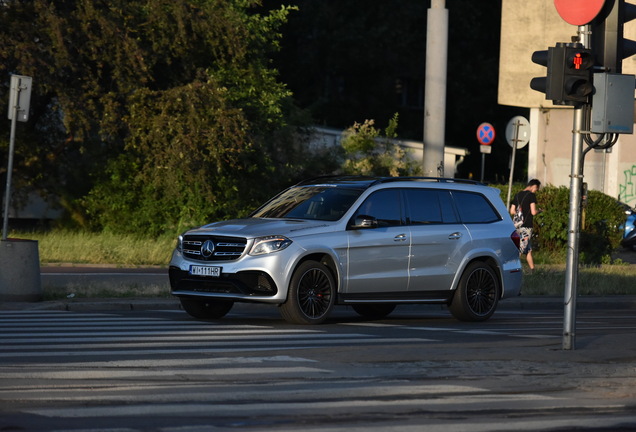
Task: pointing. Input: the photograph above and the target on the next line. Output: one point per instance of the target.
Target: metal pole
(572, 262)
(576, 180)
(7, 194)
(483, 164)
(435, 89)
(512, 163)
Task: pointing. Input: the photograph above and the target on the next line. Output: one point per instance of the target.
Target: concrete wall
(612, 172)
(453, 156)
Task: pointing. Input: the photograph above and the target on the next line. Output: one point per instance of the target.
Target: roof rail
(431, 179)
(336, 178)
(372, 180)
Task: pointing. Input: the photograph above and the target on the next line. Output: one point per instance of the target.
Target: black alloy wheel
(311, 295)
(477, 295)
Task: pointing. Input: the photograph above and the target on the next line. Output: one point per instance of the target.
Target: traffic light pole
(574, 224)
(572, 263)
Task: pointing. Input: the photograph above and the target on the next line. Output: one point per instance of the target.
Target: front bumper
(243, 285)
(261, 279)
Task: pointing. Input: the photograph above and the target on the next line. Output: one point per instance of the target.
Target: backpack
(517, 218)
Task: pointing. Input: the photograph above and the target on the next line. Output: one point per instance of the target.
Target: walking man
(526, 201)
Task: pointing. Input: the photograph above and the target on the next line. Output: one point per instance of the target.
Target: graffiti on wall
(627, 190)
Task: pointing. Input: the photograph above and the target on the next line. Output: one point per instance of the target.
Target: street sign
(486, 149)
(518, 130)
(485, 134)
(578, 12)
(20, 97)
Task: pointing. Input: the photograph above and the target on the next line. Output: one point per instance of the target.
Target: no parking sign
(485, 134)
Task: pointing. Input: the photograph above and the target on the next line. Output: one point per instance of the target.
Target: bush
(601, 218)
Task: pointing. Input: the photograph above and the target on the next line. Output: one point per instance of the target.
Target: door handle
(399, 237)
(455, 236)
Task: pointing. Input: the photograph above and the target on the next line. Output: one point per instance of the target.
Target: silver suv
(371, 243)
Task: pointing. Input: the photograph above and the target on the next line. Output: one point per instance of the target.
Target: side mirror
(364, 222)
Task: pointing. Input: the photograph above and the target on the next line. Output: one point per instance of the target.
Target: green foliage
(600, 220)
(369, 153)
(551, 226)
(152, 117)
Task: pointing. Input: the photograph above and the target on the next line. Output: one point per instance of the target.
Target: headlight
(265, 245)
(180, 243)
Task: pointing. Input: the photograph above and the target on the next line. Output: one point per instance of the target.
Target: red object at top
(578, 12)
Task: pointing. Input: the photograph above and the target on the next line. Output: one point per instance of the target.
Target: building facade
(527, 29)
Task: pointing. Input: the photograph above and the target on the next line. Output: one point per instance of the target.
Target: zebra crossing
(110, 371)
(51, 334)
(60, 334)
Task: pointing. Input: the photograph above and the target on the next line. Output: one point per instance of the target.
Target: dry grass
(618, 279)
(101, 248)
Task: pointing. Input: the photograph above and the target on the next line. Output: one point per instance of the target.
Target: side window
(424, 206)
(385, 206)
(474, 208)
(448, 211)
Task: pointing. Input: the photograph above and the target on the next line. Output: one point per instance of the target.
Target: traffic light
(577, 74)
(569, 74)
(550, 84)
(608, 43)
(540, 84)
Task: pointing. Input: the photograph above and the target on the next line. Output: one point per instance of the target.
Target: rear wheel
(312, 293)
(206, 309)
(373, 311)
(477, 294)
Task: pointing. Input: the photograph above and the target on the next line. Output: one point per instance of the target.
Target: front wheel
(206, 309)
(311, 296)
(477, 294)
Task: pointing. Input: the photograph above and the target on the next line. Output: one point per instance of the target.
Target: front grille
(213, 248)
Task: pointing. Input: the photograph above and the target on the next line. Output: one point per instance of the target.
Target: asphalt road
(160, 370)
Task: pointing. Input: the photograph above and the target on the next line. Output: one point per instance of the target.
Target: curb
(129, 304)
(89, 305)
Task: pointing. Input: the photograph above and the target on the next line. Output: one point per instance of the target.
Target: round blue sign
(485, 134)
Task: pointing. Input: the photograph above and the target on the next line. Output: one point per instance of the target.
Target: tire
(477, 294)
(311, 296)
(206, 309)
(373, 311)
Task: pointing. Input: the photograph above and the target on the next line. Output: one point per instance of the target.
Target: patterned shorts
(525, 245)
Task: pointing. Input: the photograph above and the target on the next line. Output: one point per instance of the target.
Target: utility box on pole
(613, 104)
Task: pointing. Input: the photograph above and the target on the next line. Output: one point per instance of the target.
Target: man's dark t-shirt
(525, 198)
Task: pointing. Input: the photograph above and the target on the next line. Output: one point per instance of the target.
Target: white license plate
(205, 271)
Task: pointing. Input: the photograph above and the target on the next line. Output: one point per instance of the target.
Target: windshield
(310, 202)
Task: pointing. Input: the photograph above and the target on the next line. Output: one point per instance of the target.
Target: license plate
(205, 271)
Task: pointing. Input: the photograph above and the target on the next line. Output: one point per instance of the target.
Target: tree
(157, 114)
(366, 152)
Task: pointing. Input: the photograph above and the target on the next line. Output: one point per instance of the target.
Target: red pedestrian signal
(577, 75)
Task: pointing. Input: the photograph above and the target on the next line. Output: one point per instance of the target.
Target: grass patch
(101, 248)
(592, 280)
